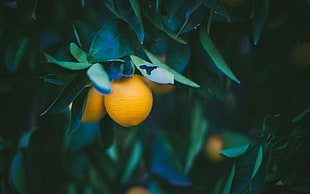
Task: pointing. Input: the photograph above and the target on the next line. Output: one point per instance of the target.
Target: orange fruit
(213, 145)
(234, 3)
(137, 190)
(94, 109)
(130, 101)
(158, 88)
(300, 55)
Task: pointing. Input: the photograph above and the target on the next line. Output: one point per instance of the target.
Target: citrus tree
(154, 96)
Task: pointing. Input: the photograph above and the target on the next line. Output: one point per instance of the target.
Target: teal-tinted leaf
(172, 7)
(244, 170)
(199, 129)
(84, 33)
(129, 69)
(130, 12)
(154, 187)
(229, 181)
(77, 111)
(67, 64)
(68, 94)
(235, 139)
(215, 55)
(115, 70)
(51, 78)
(165, 164)
(133, 160)
(111, 5)
(16, 54)
(152, 72)
(177, 76)
(178, 56)
(300, 116)
(99, 78)
(218, 6)
(114, 40)
(258, 162)
(25, 139)
(260, 15)
(235, 151)
(258, 182)
(17, 173)
(78, 53)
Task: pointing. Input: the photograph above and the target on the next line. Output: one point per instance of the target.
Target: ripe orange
(234, 3)
(300, 55)
(213, 145)
(94, 109)
(137, 190)
(158, 88)
(130, 101)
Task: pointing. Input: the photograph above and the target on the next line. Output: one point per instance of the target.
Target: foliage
(234, 76)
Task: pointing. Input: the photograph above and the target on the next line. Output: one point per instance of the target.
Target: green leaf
(215, 55)
(177, 76)
(25, 139)
(258, 161)
(235, 151)
(77, 111)
(67, 64)
(133, 161)
(68, 94)
(152, 72)
(51, 78)
(260, 16)
(114, 40)
(258, 182)
(199, 129)
(235, 139)
(99, 78)
(78, 53)
(218, 6)
(300, 116)
(130, 12)
(17, 173)
(229, 181)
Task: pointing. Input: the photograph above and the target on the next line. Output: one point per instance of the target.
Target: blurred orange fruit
(94, 109)
(300, 55)
(213, 145)
(137, 190)
(158, 88)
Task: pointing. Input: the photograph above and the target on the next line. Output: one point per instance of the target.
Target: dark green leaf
(215, 55)
(99, 78)
(67, 64)
(235, 151)
(51, 78)
(115, 70)
(152, 72)
(130, 12)
(68, 94)
(165, 164)
(77, 111)
(260, 15)
(178, 56)
(16, 54)
(227, 187)
(25, 139)
(258, 182)
(177, 76)
(129, 69)
(218, 6)
(235, 139)
(17, 173)
(199, 129)
(78, 53)
(301, 116)
(114, 40)
(258, 162)
(133, 160)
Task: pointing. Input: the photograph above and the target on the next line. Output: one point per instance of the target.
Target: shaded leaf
(78, 53)
(77, 111)
(235, 151)
(68, 94)
(25, 139)
(227, 187)
(114, 40)
(152, 72)
(260, 15)
(199, 129)
(133, 160)
(99, 78)
(17, 173)
(51, 78)
(165, 164)
(215, 55)
(258, 161)
(300, 116)
(235, 139)
(218, 6)
(177, 76)
(115, 70)
(129, 69)
(67, 64)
